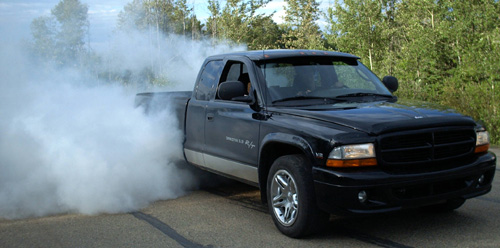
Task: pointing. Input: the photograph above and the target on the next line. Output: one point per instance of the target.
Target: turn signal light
(351, 163)
(482, 149)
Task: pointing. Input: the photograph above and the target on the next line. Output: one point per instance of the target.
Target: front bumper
(337, 191)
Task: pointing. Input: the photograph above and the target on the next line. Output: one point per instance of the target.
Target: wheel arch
(275, 145)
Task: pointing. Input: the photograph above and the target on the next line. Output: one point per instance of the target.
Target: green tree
(133, 16)
(196, 26)
(264, 33)
(160, 17)
(181, 14)
(300, 28)
(474, 25)
(233, 24)
(61, 37)
(473, 81)
(73, 28)
(355, 26)
(426, 53)
(239, 22)
(213, 19)
(43, 30)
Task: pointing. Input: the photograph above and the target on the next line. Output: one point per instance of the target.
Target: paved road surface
(230, 215)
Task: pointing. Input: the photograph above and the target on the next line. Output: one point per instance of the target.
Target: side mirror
(233, 91)
(391, 83)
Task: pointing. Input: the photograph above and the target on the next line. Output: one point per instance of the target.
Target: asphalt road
(230, 215)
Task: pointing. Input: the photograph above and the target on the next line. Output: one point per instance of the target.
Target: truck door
(231, 132)
(194, 146)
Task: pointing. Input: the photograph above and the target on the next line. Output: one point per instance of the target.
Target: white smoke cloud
(70, 143)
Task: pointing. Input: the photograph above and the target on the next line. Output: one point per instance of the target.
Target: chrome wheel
(285, 197)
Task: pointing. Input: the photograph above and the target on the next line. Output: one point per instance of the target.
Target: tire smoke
(71, 143)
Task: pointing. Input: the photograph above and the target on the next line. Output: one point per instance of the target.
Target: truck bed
(156, 102)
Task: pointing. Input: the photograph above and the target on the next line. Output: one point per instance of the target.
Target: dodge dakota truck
(318, 133)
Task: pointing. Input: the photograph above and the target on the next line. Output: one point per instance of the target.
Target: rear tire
(291, 197)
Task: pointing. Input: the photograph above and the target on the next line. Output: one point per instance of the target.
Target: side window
(205, 88)
(236, 71)
(233, 71)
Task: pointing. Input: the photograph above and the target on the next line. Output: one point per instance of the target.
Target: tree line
(443, 51)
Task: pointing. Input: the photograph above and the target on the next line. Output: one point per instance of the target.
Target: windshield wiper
(295, 98)
(364, 94)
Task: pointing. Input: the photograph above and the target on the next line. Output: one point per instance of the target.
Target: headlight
(482, 142)
(352, 156)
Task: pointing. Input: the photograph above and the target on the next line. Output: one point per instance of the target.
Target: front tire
(291, 197)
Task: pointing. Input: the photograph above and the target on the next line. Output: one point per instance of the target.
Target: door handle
(210, 117)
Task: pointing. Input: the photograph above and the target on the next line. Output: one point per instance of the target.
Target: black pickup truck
(319, 133)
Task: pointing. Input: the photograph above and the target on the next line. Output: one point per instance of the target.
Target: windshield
(306, 78)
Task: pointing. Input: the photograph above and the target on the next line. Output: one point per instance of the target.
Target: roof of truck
(282, 53)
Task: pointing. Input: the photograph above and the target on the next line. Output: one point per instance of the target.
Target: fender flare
(289, 139)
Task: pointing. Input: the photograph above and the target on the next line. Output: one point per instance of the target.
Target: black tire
(291, 198)
(447, 206)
